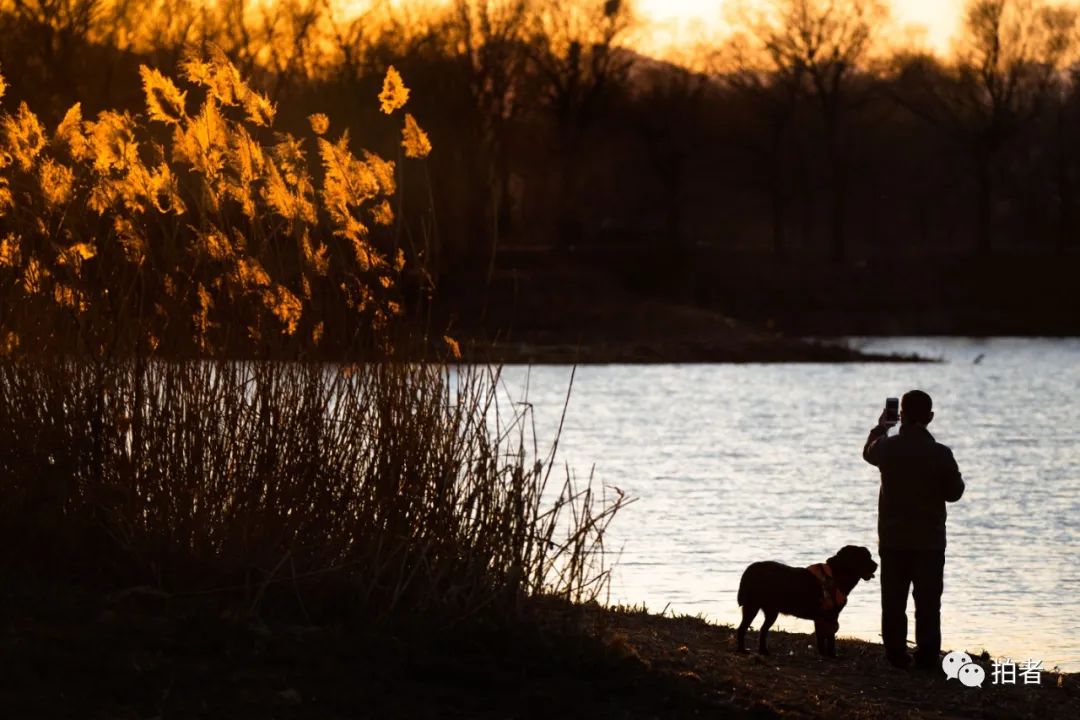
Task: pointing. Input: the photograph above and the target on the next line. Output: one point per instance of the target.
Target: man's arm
(872, 449)
(952, 485)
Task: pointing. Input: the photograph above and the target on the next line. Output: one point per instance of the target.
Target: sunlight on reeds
(159, 275)
(195, 228)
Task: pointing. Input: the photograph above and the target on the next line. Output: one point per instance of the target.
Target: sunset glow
(430, 358)
(674, 23)
(672, 26)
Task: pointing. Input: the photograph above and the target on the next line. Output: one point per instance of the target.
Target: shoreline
(858, 683)
(145, 654)
(781, 352)
(607, 324)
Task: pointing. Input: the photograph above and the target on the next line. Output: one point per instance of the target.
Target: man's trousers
(921, 572)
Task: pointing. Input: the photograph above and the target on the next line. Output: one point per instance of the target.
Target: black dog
(816, 593)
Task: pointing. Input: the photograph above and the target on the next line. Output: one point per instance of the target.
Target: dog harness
(832, 597)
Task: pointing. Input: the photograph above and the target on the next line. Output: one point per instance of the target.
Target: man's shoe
(898, 660)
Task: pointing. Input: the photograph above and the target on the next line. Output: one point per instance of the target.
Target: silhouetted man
(918, 476)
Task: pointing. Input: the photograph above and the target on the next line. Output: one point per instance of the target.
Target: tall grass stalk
(140, 256)
(381, 489)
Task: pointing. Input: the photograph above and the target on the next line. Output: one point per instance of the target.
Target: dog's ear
(845, 560)
(866, 557)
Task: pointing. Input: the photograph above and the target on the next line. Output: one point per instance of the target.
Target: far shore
(576, 317)
(632, 330)
(770, 349)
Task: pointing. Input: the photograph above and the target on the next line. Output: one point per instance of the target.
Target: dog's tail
(741, 597)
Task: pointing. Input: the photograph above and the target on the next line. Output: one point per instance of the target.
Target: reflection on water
(737, 463)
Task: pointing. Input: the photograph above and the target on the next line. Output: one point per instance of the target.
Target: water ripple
(737, 463)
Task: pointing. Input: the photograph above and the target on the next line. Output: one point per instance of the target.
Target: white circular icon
(952, 663)
(972, 675)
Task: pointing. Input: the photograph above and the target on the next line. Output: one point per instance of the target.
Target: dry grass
(141, 256)
(378, 489)
(195, 228)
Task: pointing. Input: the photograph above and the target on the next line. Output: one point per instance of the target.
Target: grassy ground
(70, 653)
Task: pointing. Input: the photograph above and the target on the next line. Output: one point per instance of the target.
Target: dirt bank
(72, 654)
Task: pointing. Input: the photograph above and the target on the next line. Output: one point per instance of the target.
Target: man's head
(916, 408)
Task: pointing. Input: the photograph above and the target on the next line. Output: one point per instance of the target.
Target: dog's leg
(825, 630)
(834, 627)
(770, 618)
(749, 612)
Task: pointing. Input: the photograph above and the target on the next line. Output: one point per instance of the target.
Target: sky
(671, 23)
(678, 20)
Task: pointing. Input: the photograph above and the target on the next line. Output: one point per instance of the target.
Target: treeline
(805, 133)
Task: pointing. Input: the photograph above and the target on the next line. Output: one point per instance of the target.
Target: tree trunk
(1065, 202)
(495, 192)
(839, 211)
(838, 188)
(674, 177)
(778, 209)
(983, 206)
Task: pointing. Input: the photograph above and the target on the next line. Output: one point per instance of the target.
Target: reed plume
(159, 276)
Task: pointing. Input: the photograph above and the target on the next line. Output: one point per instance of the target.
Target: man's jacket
(918, 476)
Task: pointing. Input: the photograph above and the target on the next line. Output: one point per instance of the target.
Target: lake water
(737, 463)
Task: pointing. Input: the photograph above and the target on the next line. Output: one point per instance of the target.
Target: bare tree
(772, 98)
(487, 37)
(289, 36)
(1009, 65)
(51, 39)
(668, 116)
(820, 44)
(1065, 146)
(574, 50)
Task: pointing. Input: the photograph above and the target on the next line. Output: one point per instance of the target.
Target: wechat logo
(959, 666)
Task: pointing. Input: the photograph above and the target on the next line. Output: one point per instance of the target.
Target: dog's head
(854, 561)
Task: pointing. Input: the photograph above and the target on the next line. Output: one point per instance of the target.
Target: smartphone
(892, 410)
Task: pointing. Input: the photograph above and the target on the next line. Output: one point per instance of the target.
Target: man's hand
(883, 421)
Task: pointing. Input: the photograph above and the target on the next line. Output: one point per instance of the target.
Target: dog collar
(832, 597)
